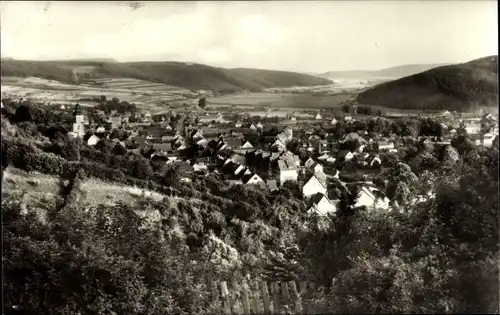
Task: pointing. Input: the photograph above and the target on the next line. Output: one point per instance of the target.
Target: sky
(304, 36)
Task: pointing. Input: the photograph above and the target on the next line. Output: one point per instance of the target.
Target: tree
(202, 102)
(346, 108)
(119, 149)
(98, 262)
(142, 169)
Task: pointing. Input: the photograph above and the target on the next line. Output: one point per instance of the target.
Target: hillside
(187, 75)
(392, 72)
(454, 87)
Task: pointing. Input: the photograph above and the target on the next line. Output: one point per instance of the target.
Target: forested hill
(187, 75)
(454, 87)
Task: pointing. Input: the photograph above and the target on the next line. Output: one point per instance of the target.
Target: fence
(261, 297)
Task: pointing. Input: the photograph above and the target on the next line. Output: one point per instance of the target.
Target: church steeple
(78, 110)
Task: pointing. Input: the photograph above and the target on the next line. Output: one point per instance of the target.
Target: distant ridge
(453, 87)
(390, 73)
(182, 74)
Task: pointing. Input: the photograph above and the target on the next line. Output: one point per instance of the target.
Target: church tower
(78, 126)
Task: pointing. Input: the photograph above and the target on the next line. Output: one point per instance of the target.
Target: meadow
(145, 94)
(278, 100)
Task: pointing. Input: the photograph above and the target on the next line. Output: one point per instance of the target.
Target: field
(145, 94)
(277, 100)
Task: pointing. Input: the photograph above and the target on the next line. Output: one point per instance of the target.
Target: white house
(198, 135)
(321, 176)
(100, 129)
(256, 180)
(323, 157)
(238, 124)
(347, 118)
(92, 140)
(375, 161)
(313, 186)
(202, 142)
(288, 170)
(346, 155)
(199, 167)
(247, 145)
(318, 116)
(321, 205)
(488, 139)
(239, 169)
(278, 143)
(385, 145)
(318, 168)
(253, 127)
(260, 126)
(367, 198)
(334, 121)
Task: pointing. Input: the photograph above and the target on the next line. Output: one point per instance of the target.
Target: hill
(392, 72)
(187, 75)
(454, 87)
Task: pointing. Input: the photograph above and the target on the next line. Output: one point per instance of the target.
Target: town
(319, 156)
(239, 157)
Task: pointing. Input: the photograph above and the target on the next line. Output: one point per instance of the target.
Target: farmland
(145, 94)
(276, 100)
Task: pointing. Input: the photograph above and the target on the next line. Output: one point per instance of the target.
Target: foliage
(98, 262)
(454, 87)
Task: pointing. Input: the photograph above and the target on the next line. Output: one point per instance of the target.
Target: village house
(238, 124)
(321, 205)
(309, 162)
(323, 146)
(288, 170)
(247, 145)
(162, 147)
(374, 160)
(92, 140)
(345, 155)
(253, 127)
(324, 157)
(318, 116)
(353, 136)
(371, 198)
(385, 146)
(318, 168)
(272, 185)
(260, 126)
(208, 119)
(334, 121)
(279, 145)
(314, 186)
(254, 180)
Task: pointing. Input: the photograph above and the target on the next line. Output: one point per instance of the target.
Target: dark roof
(317, 198)
(165, 147)
(233, 142)
(342, 153)
(210, 131)
(272, 184)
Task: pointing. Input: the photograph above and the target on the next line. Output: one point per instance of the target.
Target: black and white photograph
(249, 157)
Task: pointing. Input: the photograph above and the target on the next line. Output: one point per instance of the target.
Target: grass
(277, 100)
(42, 188)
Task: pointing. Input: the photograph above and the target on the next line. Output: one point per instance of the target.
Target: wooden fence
(261, 297)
